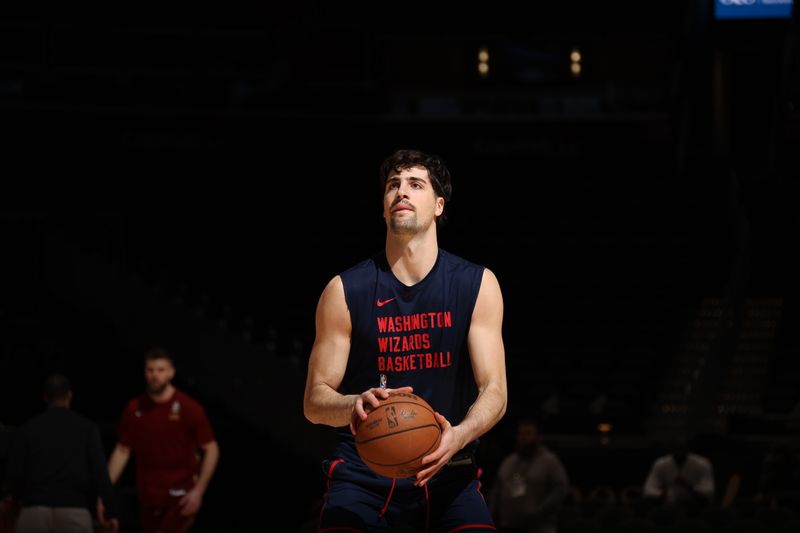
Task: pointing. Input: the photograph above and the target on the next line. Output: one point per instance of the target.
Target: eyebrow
(409, 178)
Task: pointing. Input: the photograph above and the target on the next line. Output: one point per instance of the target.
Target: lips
(401, 207)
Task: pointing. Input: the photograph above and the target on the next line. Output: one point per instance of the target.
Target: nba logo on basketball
(391, 417)
(411, 432)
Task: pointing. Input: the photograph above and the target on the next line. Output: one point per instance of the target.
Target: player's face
(158, 373)
(410, 204)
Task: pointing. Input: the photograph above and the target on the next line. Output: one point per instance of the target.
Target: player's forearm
(208, 465)
(117, 461)
(488, 409)
(323, 405)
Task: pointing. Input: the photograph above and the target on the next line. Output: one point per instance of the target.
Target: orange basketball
(396, 436)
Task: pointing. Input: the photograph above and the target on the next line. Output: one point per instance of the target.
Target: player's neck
(412, 259)
(163, 396)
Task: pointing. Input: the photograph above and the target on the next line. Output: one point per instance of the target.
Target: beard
(407, 225)
(403, 226)
(156, 389)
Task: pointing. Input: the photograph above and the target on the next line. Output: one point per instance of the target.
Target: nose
(402, 190)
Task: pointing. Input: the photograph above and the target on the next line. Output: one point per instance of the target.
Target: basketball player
(165, 429)
(412, 318)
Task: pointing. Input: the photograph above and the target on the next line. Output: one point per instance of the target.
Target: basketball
(396, 436)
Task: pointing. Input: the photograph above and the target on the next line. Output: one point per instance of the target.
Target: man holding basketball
(412, 318)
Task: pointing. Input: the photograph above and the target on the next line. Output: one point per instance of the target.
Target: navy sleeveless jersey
(413, 335)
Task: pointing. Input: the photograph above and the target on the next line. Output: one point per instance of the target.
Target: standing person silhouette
(56, 469)
(166, 430)
(531, 484)
(681, 478)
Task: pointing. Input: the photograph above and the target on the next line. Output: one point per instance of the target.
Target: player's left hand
(191, 502)
(448, 447)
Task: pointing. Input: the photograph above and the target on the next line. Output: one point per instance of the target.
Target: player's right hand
(368, 400)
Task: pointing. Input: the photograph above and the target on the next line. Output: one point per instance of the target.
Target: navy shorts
(357, 499)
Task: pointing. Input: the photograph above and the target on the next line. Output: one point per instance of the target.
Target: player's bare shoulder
(490, 286)
(332, 306)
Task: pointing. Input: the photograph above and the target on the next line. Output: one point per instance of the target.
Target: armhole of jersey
(346, 292)
(357, 289)
(476, 290)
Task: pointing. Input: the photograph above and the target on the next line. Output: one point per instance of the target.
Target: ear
(439, 206)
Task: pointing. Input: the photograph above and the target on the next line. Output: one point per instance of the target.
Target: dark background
(193, 179)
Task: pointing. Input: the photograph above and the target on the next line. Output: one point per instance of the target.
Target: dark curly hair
(437, 170)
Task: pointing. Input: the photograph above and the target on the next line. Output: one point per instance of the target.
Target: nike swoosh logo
(381, 303)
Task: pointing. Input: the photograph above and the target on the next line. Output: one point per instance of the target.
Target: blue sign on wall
(752, 9)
